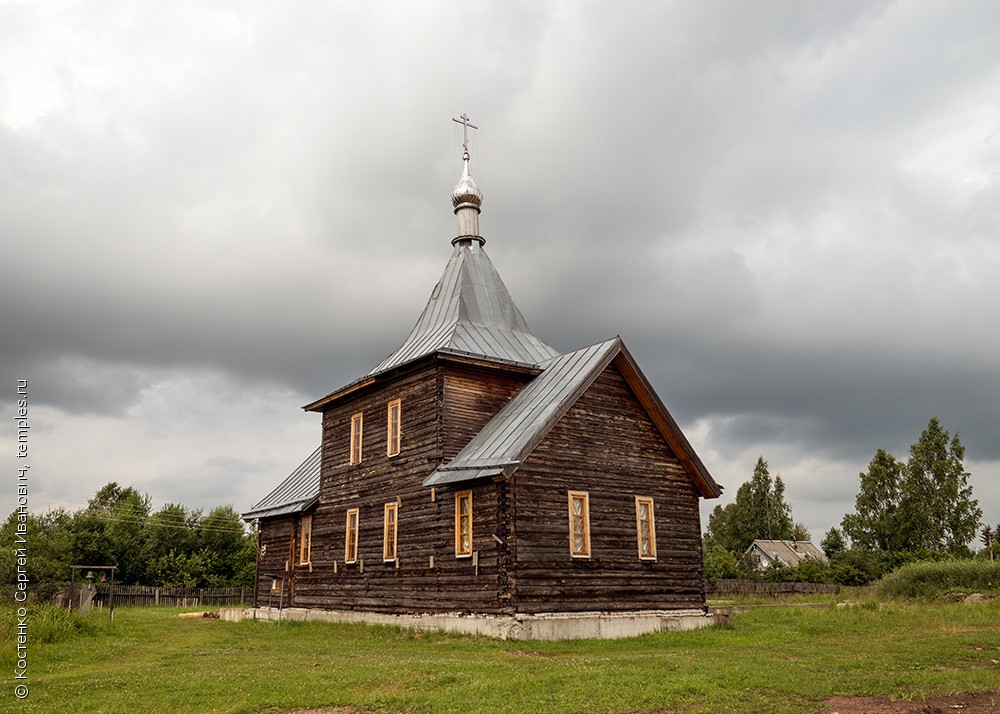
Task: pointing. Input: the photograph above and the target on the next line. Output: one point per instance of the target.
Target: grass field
(769, 660)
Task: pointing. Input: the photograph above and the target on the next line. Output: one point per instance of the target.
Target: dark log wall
(471, 397)
(605, 445)
(274, 541)
(425, 520)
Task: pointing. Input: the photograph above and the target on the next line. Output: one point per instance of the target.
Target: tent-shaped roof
(294, 494)
(507, 439)
(470, 311)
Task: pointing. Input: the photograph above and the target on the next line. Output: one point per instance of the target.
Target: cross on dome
(464, 121)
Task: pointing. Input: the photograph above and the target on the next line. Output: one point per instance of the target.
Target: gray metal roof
(470, 310)
(292, 495)
(511, 435)
(789, 552)
(525, 420)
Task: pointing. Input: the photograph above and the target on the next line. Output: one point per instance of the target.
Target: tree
(988, 537)
(759, 511)
(939, 512)
(126, 534)
(922, 505)
(833, 543)
(174, 546)
(875, 524)
(111, 496)
(720, 564)
(224, 539)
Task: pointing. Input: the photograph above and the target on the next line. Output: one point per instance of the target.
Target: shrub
(931, 579)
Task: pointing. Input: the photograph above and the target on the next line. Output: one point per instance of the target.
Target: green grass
(769, 660)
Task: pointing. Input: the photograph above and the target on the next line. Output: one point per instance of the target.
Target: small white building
(790, 553)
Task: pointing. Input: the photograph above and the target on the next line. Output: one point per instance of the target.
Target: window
(645, 527)
(389, 531)
(356, 422)
(579, 524)
(392, 428)
(463, 524)
(305, 540)
(351, 540)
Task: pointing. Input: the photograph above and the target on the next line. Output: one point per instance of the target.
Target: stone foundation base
(543, 626)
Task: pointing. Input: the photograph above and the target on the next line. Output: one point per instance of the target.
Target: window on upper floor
(356, 437)
(305, 540)
(351, 537)
(645, 528)
(463, 524)
(393, 417)
(579, 524)
(389, 531)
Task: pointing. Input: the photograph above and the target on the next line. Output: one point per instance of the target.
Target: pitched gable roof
(789, 552)
(294, 494)
(470, 311)
(510, 436)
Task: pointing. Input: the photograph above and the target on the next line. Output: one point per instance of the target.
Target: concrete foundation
(544, 626)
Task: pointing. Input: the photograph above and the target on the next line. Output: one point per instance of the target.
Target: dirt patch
(988, 703)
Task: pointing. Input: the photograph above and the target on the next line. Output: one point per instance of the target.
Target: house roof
(789, 552)
(510, 436)
(471, 311)
(294, 494)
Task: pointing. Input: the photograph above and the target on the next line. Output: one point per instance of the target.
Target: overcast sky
(212, 213)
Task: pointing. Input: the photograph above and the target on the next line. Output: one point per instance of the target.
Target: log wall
(439, 406)
(605, 445)
(274, 554)
(470, 397)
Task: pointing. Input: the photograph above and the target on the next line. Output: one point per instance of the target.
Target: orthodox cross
(464, 121)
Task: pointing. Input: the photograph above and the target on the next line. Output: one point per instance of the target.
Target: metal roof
(292, 495)
(510, 436)
(518, 427)
(470, 310)
(789, 552)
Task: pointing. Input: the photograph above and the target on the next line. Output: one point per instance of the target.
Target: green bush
(932, 579)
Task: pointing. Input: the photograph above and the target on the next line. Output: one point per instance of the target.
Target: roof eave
(282, 510)
(321, 404)
(449, 355)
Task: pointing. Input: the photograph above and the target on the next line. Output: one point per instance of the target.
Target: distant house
(477, 470)
(765, 553)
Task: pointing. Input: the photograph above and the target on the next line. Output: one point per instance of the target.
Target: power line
(153, 521)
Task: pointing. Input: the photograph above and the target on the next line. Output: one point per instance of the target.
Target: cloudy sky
(212, 213)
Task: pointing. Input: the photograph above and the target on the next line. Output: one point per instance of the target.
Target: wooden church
(477, 471)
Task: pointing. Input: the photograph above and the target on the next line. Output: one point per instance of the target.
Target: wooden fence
(758, 587)
(145, 596)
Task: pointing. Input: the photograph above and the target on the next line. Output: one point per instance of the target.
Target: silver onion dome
(466, 191)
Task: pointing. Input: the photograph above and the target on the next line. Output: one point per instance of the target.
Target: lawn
(770, 660)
